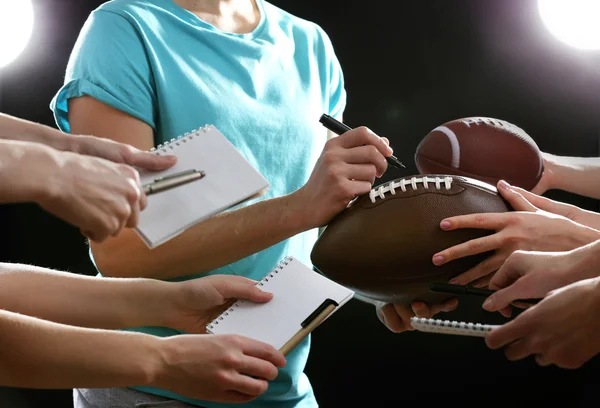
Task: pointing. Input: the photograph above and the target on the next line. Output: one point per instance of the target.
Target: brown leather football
(382, 245)
(483, 148)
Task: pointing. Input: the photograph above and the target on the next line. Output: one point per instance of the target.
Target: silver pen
(173, 180)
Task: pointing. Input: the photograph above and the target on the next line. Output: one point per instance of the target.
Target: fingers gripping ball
(381, 245)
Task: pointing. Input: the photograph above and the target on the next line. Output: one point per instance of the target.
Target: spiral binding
(286, 261)
(179, 140)
(451, 327)
(413, 181)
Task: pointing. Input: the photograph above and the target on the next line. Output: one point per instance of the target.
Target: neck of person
(232, 16)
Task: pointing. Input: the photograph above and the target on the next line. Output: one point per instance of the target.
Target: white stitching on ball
(493, 122)
(413, 181)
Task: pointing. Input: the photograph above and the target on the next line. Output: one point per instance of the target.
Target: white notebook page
(229, 180)
(298, 291)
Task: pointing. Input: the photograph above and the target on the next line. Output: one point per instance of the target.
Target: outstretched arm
(115, 303)
(12, 128)
(36, 353)
(578, 175)
(39, 354)
(84, 301)
(15, 129)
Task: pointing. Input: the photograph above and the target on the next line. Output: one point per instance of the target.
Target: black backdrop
(409, 66)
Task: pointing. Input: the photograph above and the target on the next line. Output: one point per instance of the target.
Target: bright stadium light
(574, 22)
(16, 26)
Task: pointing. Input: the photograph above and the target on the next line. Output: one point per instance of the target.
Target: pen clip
(327, 302)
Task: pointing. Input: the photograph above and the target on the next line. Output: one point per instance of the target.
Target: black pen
(465, 290)
(171, 181)
(339, 128)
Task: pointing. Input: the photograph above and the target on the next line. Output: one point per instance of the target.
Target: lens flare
(16, 26)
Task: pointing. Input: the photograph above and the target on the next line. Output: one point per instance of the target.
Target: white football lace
(493, 122)
(413, 181)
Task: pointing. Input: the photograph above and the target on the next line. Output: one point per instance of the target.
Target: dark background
(409, 67)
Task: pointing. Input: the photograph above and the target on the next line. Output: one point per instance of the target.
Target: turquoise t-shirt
(264, 90)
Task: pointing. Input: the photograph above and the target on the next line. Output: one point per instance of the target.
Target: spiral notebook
(229, 180)
(302, 300)
(451, 327)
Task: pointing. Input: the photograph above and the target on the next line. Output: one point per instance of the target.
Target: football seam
(505, 125)
(454, 144)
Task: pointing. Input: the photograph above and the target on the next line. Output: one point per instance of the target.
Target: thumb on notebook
(238, 287)
(150, 161)
(198, 301)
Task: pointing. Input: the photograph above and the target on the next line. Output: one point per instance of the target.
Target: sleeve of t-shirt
(108, 63)
(337, 95)
(337, 91)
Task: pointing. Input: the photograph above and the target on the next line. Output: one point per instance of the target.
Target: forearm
(84, 301)
(578, 175)
(218, 241)
(12, 128)
(38, 354)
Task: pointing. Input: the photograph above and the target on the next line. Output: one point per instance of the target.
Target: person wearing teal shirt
(145, 71)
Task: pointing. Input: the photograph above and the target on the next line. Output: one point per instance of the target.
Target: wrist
(70, 143)
(297, 210)
(54, 138)
(147, 302)
(168, 303)
(587, 236)
(50, 163)
(46, 181)
(166, 354)
(151, 365)
(551, 170)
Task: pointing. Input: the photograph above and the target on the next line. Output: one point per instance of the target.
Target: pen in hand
(174, 180)
(339, 128)
(466, 290)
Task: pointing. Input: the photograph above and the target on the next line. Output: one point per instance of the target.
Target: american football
(483, 148)
(381, 246)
